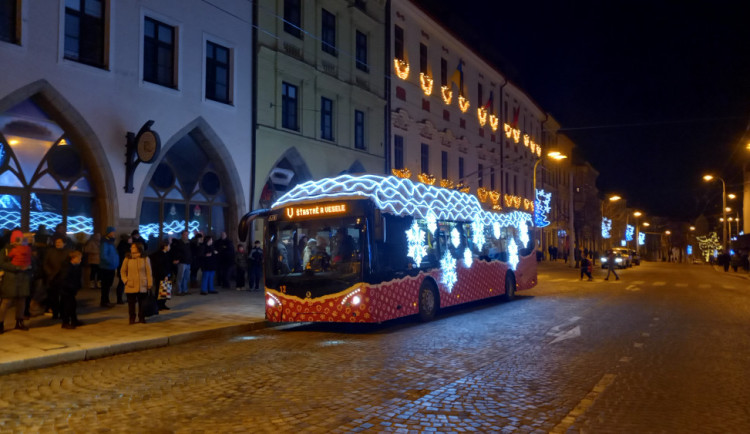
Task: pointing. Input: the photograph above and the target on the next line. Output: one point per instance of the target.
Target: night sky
(654, 93)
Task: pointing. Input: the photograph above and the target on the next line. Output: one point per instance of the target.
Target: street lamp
(611, 198)
(557, 156)
(637, 215)
(709, 178)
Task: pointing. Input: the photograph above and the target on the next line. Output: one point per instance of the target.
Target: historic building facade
(82, 78)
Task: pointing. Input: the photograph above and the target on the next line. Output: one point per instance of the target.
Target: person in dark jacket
(68, 279)
(256, 266)
(182, 256)
(225, 247)
(161, 268)
(240, 267)
(209, 262)
(196, 249)
(123, 248)
(109, 261)
(53, 261)
(15, 261)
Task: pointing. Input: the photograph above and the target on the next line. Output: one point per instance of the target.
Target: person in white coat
(137, 278)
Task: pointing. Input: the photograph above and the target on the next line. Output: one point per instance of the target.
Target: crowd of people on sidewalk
(41, 273)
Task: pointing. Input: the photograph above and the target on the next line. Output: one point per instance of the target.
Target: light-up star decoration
(477, 235)
(641, 238)
(629, 231)
(455, 238)
(524, 237)
(416, 243)
(606, 227)
(542, 208)
(468, 258)
(448, 267)
(431, 222)
(513, 254)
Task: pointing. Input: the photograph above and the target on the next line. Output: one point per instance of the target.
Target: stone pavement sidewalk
(107, 332)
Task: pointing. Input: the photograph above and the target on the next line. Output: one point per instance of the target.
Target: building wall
(419, 118)
(99, 105)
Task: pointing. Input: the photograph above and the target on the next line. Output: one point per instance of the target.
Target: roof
(402, 197)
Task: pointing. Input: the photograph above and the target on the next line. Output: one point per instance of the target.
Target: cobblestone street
(664, 349)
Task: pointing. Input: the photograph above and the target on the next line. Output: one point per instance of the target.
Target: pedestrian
(240, 267)
(586, 267)
(182, 255)
(196, 249)
(611, 264)
(256, 266)
(62, 232)
(109, 261)
(15, 262)
(69, 281)
(577, 256)
(161, 267)
(53, 261)
(225, 262)
(137, 278)
(91, 250)
(209, 263)
(123, 248)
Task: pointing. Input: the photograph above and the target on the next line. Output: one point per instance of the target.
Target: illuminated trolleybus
(373, 248)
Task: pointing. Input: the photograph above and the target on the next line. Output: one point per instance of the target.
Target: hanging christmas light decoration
(449, 276)
(708, 245)
(447, 94)
(468, 259)
(482, 115)
(629, 231)
(426, 82)
(516, 135)
(426, 178)
(415, 241)
(482, 194)
(402, 68)
(513, 254)
(455, 238)
(402, 173)
(538, 151)
(496, 230)
(524, 237)
(477, 234)
(431, 222)
(526, 140)
(463, 103)
(495, 197)
(641, 238)
(494, 122)
(542, 208)
(606, 227)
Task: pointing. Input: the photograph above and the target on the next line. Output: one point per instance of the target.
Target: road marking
(632, 288)
(645, 335)
(561, 335)
(626, 359)
(585, 403)
(660, 283)
(727, 286)
(638, 282)
(704, 285)
(638, 345)
(570, 334)
(681, 285)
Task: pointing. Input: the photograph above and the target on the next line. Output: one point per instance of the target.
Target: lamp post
(709, 178)
(555, 155)
(612, 198)
(637, 215)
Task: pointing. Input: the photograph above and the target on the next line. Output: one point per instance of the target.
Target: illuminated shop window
(43, 180)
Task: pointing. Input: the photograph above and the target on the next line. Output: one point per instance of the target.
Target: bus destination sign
(293, 212)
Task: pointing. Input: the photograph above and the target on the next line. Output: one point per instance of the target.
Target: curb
(126, 347)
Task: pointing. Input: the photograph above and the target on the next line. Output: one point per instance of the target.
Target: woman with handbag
(161, 264)
(137, 278)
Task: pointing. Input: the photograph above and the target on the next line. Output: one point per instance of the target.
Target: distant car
(622, 258)
(636, 258)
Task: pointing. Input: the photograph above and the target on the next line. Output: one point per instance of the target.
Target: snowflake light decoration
(468, 258)
(455, 238)
(448, 266)
(513, 254)
(416, 243)
(542, 208)
(606, 227)
(524, 237)
(629, 231)
(708, 244)
(477, 236)
(431, 222)
(496, 230)
(641, 238)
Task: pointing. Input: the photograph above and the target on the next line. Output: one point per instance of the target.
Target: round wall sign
(147, 146)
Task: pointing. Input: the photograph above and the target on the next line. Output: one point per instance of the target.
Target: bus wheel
(428, 301)
(510, 287)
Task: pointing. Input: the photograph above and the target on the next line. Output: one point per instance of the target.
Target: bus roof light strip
(402, 197)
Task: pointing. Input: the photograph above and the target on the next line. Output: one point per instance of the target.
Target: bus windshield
(310, 250)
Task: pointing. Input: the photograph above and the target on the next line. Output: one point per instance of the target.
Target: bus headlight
(271, 302)
(356, 300)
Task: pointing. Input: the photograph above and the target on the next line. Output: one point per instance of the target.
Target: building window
(444, 165)
(217, 73)
(480, 180)
(9, 21)
(289, 106)
(158, 53)
(398, 152)
(293, 18)
(361, 52)
(360, 4)
(326, 119)
(84, 31)
(460, 168)
(423, 59)
(399, 40)
(425, 158)
(328, 33)
(443, 72)
(359, 129)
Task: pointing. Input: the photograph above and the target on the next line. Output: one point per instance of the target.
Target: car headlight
(618, 260)
(604, 259)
